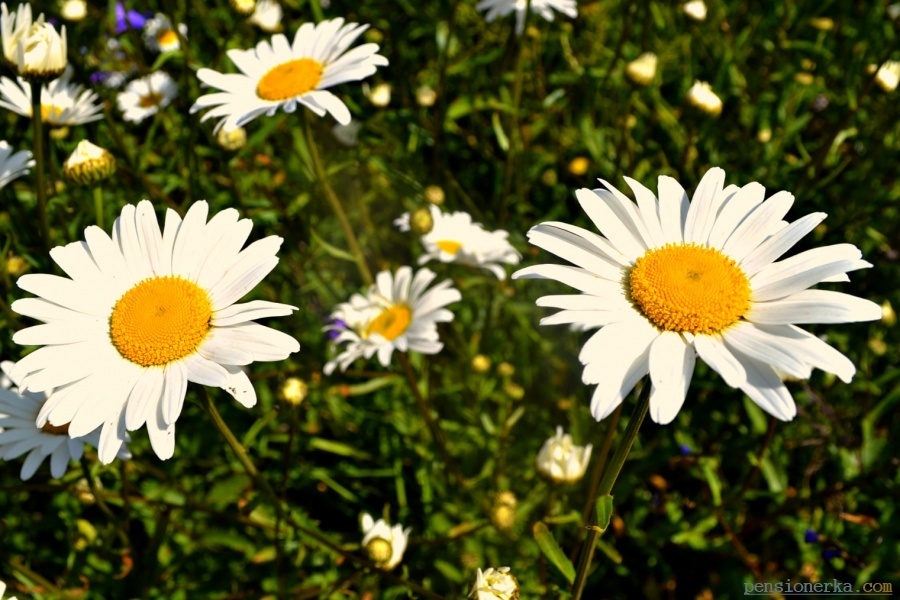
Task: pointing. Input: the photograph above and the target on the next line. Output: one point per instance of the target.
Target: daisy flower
(266, 15)
(142, 314)
(33, 47)
(670, 280)
(281, 74)
(13, 165)
(63, 103)
(396, 313)
(19, 434)
(495, 584)
(384, 544)
(561, 460)
(145, 96)
(455, 238)
(160, 35)
(545, 8)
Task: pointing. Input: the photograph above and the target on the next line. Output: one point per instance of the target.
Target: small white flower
(73, 10)
(160, 35)
(397, 313)
(544, 8)
(267, 16)
(455, 238)
(642, 70)
(702, 96)
(495, 584)
(63, 103)
(695, 9)
(384, 544)
(380, 95)
(13, 165)
(561, 460)
(20, 435)
(887, 76)
(145, 96)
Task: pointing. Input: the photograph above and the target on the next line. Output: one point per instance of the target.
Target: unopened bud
(89, 164)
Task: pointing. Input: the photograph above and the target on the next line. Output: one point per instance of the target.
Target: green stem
(316, 7)
(336, 206)
(606, 485)
(98, 205)
(101, 503)
(515, 135)
(37, 123)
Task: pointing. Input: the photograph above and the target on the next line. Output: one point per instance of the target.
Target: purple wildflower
(130, 19)
(811, 537)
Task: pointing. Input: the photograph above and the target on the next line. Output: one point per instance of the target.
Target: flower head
(495, 584)
(695, 9)
(74, 10)
(384, 544)
(561, 460)
(145, 96)
(89, 164)
(63, 103)
(279, 74)
(672, 279)
(642, 70)
(161, 36)
(811, 537)
(232, 139)
(702, 97)
(267, 16)
(887, 75)
(454, 237)
(128, 19)
(13, 164)
(20, 435)
(34, 48)
(397, 313)
(143, 313)
(545, 8)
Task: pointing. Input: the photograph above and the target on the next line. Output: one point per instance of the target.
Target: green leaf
(552, 551)
(332, 250)
(604, 511)
(502, 140)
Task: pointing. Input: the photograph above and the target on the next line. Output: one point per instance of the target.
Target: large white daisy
(396, 313)
(141, 314)
(20, 435)
(545, 8)
(63, 103)
(281, 74)
(145, 96)
(670, 280)
(455, 238)
(13, 164)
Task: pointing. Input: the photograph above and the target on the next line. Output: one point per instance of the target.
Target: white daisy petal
(755, 342)
(702, 212)
(671, 367)
(779, 243)
(239, 386)
(715, 353)
(757, 226)
(605, 219)
(814, 306)
(673, 209)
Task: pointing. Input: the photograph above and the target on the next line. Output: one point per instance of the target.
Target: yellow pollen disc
(391, 323)
(160, 320)
(149, 100)
(290, 79)
(689, 288)
(50, 111)
(449, 246)
(167, 38)
(56, 429)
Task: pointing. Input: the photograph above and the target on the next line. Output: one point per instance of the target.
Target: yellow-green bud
(421, 221)
(243, 7)
(89, 164)
(503, 511)
(505, 369)
(16, 265)
(293, 391)
(579, 165)
(379, 550)
(434, 195)
(232, 139)
(888, 316)
(514, 390)
(481, 363)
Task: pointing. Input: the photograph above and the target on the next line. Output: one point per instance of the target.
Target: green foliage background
(733, 511)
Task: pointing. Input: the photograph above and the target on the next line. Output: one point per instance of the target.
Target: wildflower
(89, 164)
(696, 9)
(142, 314)
(886, 76)
(74, 10)
(293, 391)
(674, 279)
(232, 139)
(13, 164)
(685, 450)
(20, 435)
(810, 537)
(822, 23)
(16, 265)
(454, 237)
(145, 96)
(397, 313)
(495, 584)
(503, 510)
(34, 48)
(544, 8)
(505, 369)
(425, 96)
(384, 544)
(267, 16)
(481, 363)
(161, 36)
(702, 97)
(642, 70)
(63, 103)
(282, 75)
(130, 19)
(434, 194)
(561, 460)
(380, 95)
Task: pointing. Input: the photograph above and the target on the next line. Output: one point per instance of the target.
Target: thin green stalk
(515, 134)
(92, 485)
(336, 206)
(316, 8)
(606, 486)
(37, 123)
(98, 205)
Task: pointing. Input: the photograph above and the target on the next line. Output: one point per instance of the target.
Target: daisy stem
(101, 503)
(606, 486)
(316, 8)
(98, 205)
(37, 123)
(336, 205)
(515, 134)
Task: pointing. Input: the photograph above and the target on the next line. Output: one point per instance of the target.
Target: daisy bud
(701, 97)
(421, 221)
(73, 10)
(514, 391)
(293, 391)
(642, 70)
(503, 511)
(425, 96)
(505, 369)
(481, 363)
(804, 78)
(562, 461)
(384, 544)
(434, 195)
(887, 76)
(579, 165)
(232, 139)
(16, 265)
(696, 9)
(888, 316)
(764, 135)
(89, 164)
(267, 16)
(40, 53)
(380, 95)
(243, 7)
(495, 584)
(822, 23)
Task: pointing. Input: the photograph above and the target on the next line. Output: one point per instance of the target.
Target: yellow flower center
(167, 38)
(160, 320)
(379, 550)
(151, 99)
(391, 323)
(689, 288)
(50, 112)
(449, 246)
(55, 429)
(290, 79)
